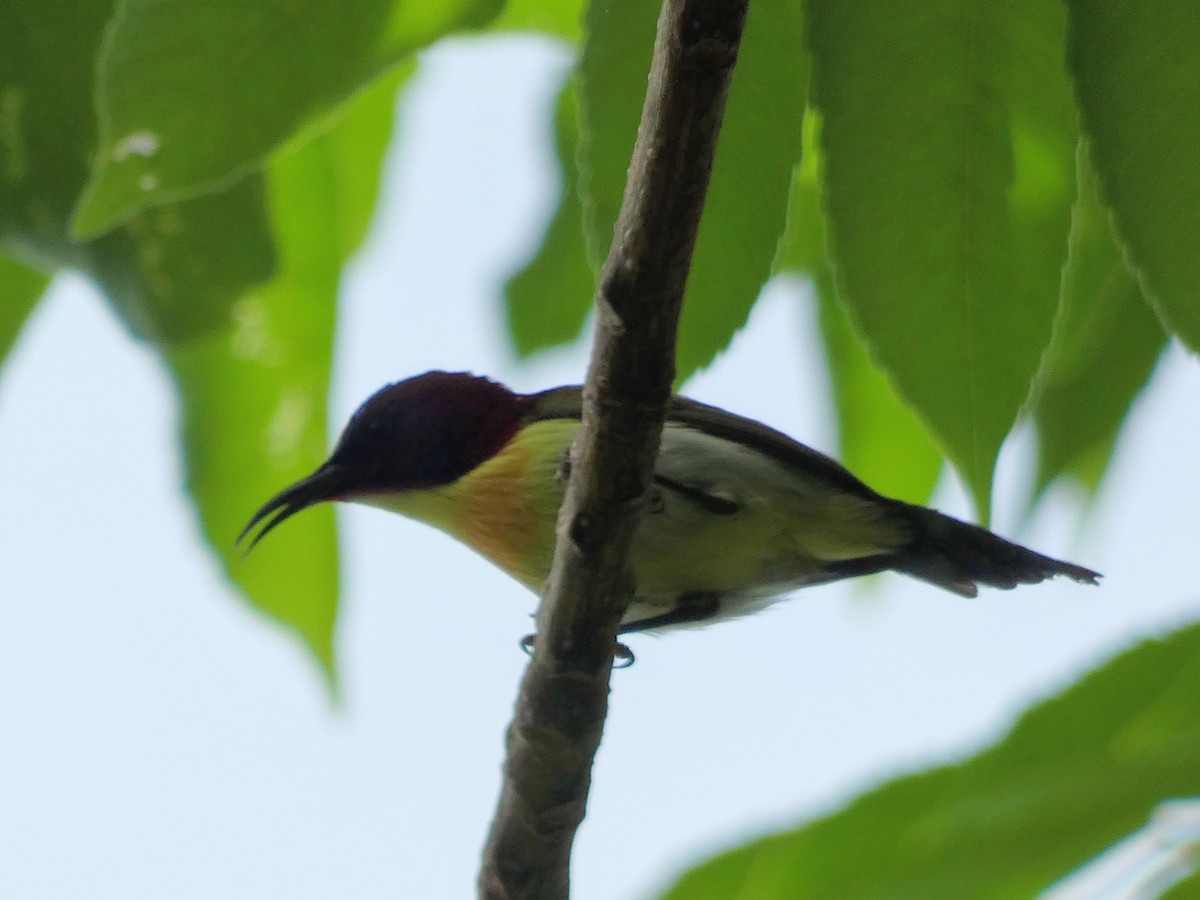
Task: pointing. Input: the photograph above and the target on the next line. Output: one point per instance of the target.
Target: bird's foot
(623, 657)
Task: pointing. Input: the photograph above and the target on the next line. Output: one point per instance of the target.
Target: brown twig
(563, 700)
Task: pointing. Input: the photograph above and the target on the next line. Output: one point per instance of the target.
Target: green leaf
(948, 188)
(46, 121)
(1188, 889)
(1076, 773)
(20, 290)
(879, 439)
(1150, 862)
(746, 209)
(759, 147)
(1137, 77)
(548, 300)
(561, 18)
(1106, 342)
(614, 64)
(174, 272)
(171, 273)
(254, 395)
(192, 95)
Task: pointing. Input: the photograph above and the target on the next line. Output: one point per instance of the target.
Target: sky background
(158, 738)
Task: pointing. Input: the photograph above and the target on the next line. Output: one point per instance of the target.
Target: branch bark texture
(563, 699)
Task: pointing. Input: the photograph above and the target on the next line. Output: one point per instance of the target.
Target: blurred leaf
(171, 273)
(562, 18)
(614, 64)
(1076, 773)
(879, 439)
(759, 146)
(746, 210)
(20, 290)
(802, 246)
(191, 95)
(1144, 864)
(948, 190)
(1106, 342)
(1137, 77)
(549, 299)
(254, 396)
(46, 120)
(1188, 889)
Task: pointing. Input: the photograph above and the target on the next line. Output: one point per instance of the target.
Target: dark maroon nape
(428, 430)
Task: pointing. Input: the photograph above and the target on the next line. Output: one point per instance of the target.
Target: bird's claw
(623, 657)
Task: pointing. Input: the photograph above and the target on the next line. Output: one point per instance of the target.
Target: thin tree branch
(563, 700)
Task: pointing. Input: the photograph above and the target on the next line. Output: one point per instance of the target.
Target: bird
(737, 516)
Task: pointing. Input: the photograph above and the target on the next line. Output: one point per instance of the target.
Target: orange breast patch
(500, 513)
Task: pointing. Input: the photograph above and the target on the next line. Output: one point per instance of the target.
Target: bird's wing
(766, 440)
(567, 403)
(556, 403)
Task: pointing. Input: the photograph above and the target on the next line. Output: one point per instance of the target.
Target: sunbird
(738, 514)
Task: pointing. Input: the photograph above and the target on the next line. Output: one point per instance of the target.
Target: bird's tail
(959, 557)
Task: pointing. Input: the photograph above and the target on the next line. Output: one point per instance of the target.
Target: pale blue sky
(159, 739)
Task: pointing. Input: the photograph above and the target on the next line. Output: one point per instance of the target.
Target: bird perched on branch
(737, 516)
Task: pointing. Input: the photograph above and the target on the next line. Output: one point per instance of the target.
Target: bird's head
(420, 433)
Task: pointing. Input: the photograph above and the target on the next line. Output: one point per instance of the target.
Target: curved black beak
(327, 483)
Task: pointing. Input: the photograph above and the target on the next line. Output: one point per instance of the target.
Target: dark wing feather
(556, 403)
(567, 403)
(766, 440)
(718, 506)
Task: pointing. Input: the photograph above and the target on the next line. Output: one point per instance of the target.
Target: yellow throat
(506, 507)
